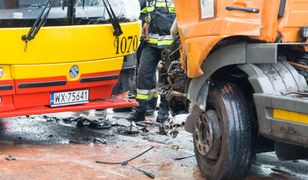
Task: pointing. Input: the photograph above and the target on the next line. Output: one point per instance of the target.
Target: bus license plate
(69, 98)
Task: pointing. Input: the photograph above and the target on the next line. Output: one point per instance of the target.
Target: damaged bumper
(283, 118)
(113, 102)
(41, 88)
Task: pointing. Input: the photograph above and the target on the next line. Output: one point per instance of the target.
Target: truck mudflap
(283, 118)
(118, 101)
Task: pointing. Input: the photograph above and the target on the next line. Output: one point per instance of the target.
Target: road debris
(175, 146)
(182, 158)
(98, 140)
(88, 140)
(81, 121)
(149, 174)
(100, 124)
(125, 163)
(118, 126)
(174, 133)
(10, 158)
(68, 120)
(130, 131)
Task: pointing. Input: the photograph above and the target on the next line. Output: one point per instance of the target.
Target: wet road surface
(48, 147)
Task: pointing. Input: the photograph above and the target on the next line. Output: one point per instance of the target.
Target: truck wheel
(223, 136)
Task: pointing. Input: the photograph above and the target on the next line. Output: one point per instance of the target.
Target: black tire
(236, 135)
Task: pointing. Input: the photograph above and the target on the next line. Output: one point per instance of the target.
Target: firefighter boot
(151, 106)
(138, 113)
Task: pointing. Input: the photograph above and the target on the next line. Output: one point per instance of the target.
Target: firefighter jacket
(158, 16)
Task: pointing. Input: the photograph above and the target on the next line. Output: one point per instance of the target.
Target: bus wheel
(223, 136)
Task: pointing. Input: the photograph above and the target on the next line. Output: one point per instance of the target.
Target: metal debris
(103, 124)
(79, 124)
(149, 174)
(182, 158)
(174, 146)
(141, 124)
(174, 133)
(10, 158)
(88, 140)
(130, 131)
(81, 121)
(125, 163)
(98, 140)
(68, 120)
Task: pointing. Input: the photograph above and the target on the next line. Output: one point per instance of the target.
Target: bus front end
(71, 62)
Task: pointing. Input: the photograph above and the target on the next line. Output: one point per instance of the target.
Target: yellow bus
(64, 55)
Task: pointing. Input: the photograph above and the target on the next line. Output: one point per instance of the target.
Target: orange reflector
(290, 116)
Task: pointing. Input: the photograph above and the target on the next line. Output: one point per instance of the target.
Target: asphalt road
(52, 147)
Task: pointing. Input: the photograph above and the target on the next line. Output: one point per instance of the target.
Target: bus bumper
(118, 101)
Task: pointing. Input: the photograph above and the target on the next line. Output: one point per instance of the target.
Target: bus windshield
(22, 13)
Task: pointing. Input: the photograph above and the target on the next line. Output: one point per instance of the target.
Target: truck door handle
(250, 10)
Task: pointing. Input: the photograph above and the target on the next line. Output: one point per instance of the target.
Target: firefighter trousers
(146, 78)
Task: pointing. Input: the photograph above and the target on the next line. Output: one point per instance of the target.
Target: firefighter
(157, 17)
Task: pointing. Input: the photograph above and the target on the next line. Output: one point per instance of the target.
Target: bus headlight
(304, 32)
(1, 72)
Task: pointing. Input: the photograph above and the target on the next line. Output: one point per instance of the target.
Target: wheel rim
(208, 135)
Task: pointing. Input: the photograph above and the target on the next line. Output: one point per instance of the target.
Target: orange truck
(58, 56)
(247, 65)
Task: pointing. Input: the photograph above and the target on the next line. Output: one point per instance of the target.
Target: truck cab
(248, 64)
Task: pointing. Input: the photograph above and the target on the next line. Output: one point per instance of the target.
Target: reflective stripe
(159, 4)
(143, 94)
(152, 41)
(171, 6)
(160, 40)
(157, 36)
(143, 97)
(164, 42)
(172, 10)
(145, 91)
(148, 9)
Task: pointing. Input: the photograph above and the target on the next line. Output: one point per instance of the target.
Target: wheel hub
(208, 134)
